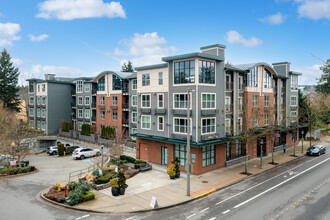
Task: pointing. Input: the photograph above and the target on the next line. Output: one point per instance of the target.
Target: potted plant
(171, 171)
(122, 182)
(176, 162)
(114, 187)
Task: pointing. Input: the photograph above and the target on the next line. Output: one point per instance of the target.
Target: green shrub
(122, 180)
(105, 178)
(60, 149)
(32, 168)
(72, 185)
(96, 172)
(140, 162)
(67, 126)
(74, 197)
(26, 169)
(108, 132)
(88, 196)
(128, 158)
(86, 129)
(16, 170)
(137, 166)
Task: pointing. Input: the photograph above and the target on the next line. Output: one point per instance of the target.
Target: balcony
(207, 112)
(73, 105)
(229, 86)
(125, 123)
(73, 93)
(125, 106)
(228, 108)
(145, 110)
(283, 89)
(275, 89)
(241, 86)
(31, 104)
(94, 92)
(125, 91)
(94, 119)
(93, 105)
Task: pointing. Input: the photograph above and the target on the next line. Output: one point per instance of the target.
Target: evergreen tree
(127, 67)
(324, 82)
(8, 82)
(307, 114)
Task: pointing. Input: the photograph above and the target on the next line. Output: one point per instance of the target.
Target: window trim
(267, 100)
(159, 123)
(135, 117)
(240, 104)
(112, 100)
(209, 158)
(160, 78)
(78, 85)
(268, 119)
(82, 100)
(256, 101)
(215, 99)
(180, 132)
(136, 100)
(103, 100)
(134, 80)
(228, 119)
(89, 100)
(215, 125)
(160, 94)
(82, 113)
(149, 116)
(103, 115)
(31, 115)
(149, 100)
(89, 87)
(194, 72)
(113, 115)
(291, 100)
(182, 94)
(143, 80)
(89, 115)
(215, 72)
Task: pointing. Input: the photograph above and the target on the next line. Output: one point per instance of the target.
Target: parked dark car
(6, 159)
(316, 150)
(70, 149)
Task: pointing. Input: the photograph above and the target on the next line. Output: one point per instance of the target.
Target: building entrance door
(144, 152)
(261, 144)
(164, 155)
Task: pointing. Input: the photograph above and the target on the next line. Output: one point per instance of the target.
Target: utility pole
(188, 166)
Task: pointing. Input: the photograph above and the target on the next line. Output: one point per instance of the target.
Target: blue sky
(84, 37)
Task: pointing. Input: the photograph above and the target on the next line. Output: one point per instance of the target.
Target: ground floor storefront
(209, 157)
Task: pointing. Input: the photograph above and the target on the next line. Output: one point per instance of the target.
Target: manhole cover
(205, 181)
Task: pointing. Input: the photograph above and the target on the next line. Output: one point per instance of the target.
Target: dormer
(215, 49)
(282, 68)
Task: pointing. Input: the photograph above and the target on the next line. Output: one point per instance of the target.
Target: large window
(294, 82)
(206, 72)
(87, 87)
(145, 101)
(267, 79)
(228, 104)
(31, 112)
(146, 122)
(208, 153)
(80, 100)
(134, 117)
(134, 100)
(160, 100)
(160, 78)
(160, 120)
(87, 113)
(181, 100)
(266, 101)
(181, 125)
(114, 100)
(114, 116)
(31, 87)
(267, 118)
(252, 78)
(80, 113)
(293, 116)
(79, 86)
(255, 100)
(208, 101)
(208, 125)
(102, 115)
(101, 84)
(134, 84)
(87, 100)
(180, 151)
(146, 79)
(293, 100)
(116, 82)
(102, 100)
(184, 72)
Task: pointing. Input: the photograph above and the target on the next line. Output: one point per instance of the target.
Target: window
(43, 126)
(255, 101)
(134, 130)
(294, 82)
(134, 84)
(266, 101)
(208, 101)
(228, 104)
(31, 100)
(228, 126)
(102, 100)
(240, 124)
(80, 113)
(102, 115)
(208, 125)
(146, 79)
(145, 101)
(160, 100)
(31, 112)
(43, 113)
(180, 151)
(134, 100)
(116, 82)
(114, 100)
(87, 87)
(267, 79)
(38, 112)
(38, 100)
(146, 122)
(31, 87)
(80, 126)
(293, 116)
(229, 84)
(294, 100)
(181, 125)
(87, 113)
(43, 87)
(160, 78)
(184, 72)
(80, 100)
(208, 153)
(87, 100)
(252, 78)
(43, 100)
(101, 84)
(267, 118)
(240, 83)
(206, 72)
(255, 120)
(31, 124)
(134, 117)
(180, 101)
(160, 123)
(240, 103)
(38, 125)
(114, 116)
(228, 150)
(79, 86)
(238, 148)
(38, 88)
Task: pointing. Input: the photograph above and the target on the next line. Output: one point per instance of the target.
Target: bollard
(64, 153)
(66, 190)
(58, 187)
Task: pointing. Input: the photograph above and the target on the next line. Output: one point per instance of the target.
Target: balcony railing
(229, 107)
(73, 105)
(94, 91)
(283, 89)
(73, 93)
(94, 118)
(93, 105)
(125, 105)
(125, 122)
(229, 86)
(102, 107)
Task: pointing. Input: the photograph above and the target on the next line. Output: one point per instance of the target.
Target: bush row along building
(233, 108)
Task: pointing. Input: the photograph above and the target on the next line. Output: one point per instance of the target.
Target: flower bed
(16, 170)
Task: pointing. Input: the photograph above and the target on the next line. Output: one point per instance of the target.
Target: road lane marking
(191, 215)
(131, 217)
(264, 182)
(205, 209)
(260, 194)
(84, 216)
(212, 218)
(225, 212)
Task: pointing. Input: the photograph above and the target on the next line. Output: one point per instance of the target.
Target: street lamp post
(273, 162)
(302, 141)
(188, 165)
(261, 153)
(102, 146)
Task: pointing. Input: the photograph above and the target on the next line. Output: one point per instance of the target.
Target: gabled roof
(192, 55)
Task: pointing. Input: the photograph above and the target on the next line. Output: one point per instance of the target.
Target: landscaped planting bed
(16, 170)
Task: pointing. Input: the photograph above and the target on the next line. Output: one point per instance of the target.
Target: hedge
(67, 126)
(127, 158)
(16, 170)
(108, 132)
(105, 178)
(86, 129)
(60, 149)
(88, 196)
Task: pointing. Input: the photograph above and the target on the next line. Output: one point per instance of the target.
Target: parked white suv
(82, 153)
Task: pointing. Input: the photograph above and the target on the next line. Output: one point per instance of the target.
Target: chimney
(282, 68)
(215, 49)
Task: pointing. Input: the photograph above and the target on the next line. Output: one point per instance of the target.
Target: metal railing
(78, 173)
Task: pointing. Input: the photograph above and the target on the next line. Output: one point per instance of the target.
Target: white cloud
(310, 74)
(38, 38)
(274, 19)
(8, 33)
(314, 9)
(17, 62)
(145, 49)
(74, 9)
(233, 37)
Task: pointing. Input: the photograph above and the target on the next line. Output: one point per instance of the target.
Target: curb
(19, 175)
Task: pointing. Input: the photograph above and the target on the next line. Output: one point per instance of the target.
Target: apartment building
(50, 102)
(225, 101)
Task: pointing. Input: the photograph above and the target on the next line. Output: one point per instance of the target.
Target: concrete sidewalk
(173, 192)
